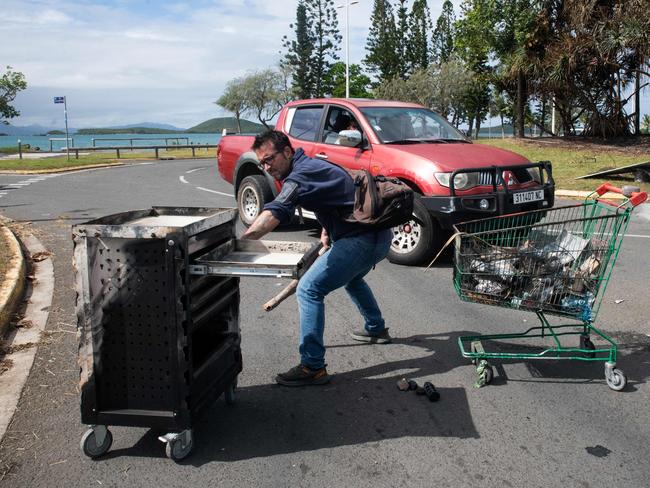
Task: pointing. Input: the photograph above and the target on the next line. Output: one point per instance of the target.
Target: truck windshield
(406, 124)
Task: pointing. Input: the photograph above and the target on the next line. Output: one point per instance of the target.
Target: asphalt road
(540, 424)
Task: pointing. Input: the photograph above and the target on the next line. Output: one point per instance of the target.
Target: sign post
(65, 114)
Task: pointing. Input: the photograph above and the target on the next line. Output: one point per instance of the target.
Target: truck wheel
(414, 243)
(253, 194)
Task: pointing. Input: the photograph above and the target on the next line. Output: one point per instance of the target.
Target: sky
(121, 62)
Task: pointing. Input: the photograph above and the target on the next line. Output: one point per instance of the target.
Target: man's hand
(325, 240)
(263, 224)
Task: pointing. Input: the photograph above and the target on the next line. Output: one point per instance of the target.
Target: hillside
(217, 125)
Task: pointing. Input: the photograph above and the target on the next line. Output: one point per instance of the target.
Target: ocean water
(58, 142)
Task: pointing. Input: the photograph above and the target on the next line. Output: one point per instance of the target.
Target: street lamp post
(347, 44)
(65, 114)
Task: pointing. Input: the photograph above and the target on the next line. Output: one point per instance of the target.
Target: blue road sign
(59, 99)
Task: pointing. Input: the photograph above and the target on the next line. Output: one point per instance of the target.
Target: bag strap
(449, 241)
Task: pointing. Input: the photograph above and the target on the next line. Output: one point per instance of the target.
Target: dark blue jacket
(320, 187)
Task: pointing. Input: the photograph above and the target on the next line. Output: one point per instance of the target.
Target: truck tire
(414, 243)
(253, 194)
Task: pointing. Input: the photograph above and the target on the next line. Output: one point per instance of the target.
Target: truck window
(306, 122)
(338, 119)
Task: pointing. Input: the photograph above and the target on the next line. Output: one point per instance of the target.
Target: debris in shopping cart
(540, 289)
(489, 287)
(579, 305)
(566, 248)
(431, 392)
(619, 301)
(403, 384)
(503, 268)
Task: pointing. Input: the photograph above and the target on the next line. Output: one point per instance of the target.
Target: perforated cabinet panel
(128, 282)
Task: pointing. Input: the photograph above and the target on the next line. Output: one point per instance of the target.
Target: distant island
(131, 130)
(212, 126)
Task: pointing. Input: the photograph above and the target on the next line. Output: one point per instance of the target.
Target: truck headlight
(462, 181)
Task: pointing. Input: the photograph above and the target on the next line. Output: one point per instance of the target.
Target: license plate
(528, 196)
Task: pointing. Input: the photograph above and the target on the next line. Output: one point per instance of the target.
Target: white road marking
(215, 191)
(196, 169)
(183, 180)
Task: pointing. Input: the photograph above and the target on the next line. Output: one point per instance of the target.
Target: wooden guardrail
(157, 148)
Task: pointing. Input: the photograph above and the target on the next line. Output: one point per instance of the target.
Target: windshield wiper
(404, 141)
(463, 141)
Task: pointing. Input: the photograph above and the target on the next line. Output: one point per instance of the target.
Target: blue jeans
(345, 263)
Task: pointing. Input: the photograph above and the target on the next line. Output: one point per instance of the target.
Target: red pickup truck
(455, 179)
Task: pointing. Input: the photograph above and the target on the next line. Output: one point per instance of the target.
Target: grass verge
(61, 162)
(576, 158)
(4, 255)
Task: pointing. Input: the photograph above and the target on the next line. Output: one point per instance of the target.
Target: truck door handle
(320, 155)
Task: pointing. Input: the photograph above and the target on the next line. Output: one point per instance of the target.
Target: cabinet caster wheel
(89, 442)
(616, 380)
(178, 446)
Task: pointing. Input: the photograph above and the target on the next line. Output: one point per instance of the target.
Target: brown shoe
(303, 376)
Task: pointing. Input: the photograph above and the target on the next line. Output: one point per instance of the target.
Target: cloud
(121, 61)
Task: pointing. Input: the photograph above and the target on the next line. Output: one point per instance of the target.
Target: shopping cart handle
(635, 198)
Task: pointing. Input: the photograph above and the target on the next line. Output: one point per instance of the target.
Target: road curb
(60, 170)
(12, 286)
(125, 162)
(22, 342)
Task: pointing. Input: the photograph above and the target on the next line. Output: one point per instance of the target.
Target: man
(351, 250)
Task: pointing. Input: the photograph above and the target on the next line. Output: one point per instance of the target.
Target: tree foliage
(314, 48)
(299, 53)
(234, 100)
(261, 94)
(443, 35)
(418, 53)
(359, 82)
(381, 45)
(327, 39)
(11, 83)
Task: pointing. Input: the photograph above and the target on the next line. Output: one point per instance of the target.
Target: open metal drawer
(242, 257)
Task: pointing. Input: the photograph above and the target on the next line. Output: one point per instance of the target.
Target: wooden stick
(289, 290)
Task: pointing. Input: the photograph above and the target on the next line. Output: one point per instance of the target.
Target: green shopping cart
(554, 261)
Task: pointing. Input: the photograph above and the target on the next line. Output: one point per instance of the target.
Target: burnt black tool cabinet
(158, 317)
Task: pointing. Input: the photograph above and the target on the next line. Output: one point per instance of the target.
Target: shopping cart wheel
(585, 343)
(96, 441)
(178, 446)
(229, 395)
(616, 380)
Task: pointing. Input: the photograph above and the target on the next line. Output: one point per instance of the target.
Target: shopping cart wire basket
(554, 261)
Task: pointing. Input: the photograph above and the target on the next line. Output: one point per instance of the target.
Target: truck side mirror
(350, 138)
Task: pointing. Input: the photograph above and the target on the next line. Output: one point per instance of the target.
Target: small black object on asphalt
(413, 385)
(431, 392)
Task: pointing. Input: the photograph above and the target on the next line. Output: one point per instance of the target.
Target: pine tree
(382, 58)
(418, 53)
(402, 36)
(299, 53)
(443, 35)
(324, 31)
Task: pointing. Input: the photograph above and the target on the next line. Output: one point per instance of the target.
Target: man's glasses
(269, 159)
